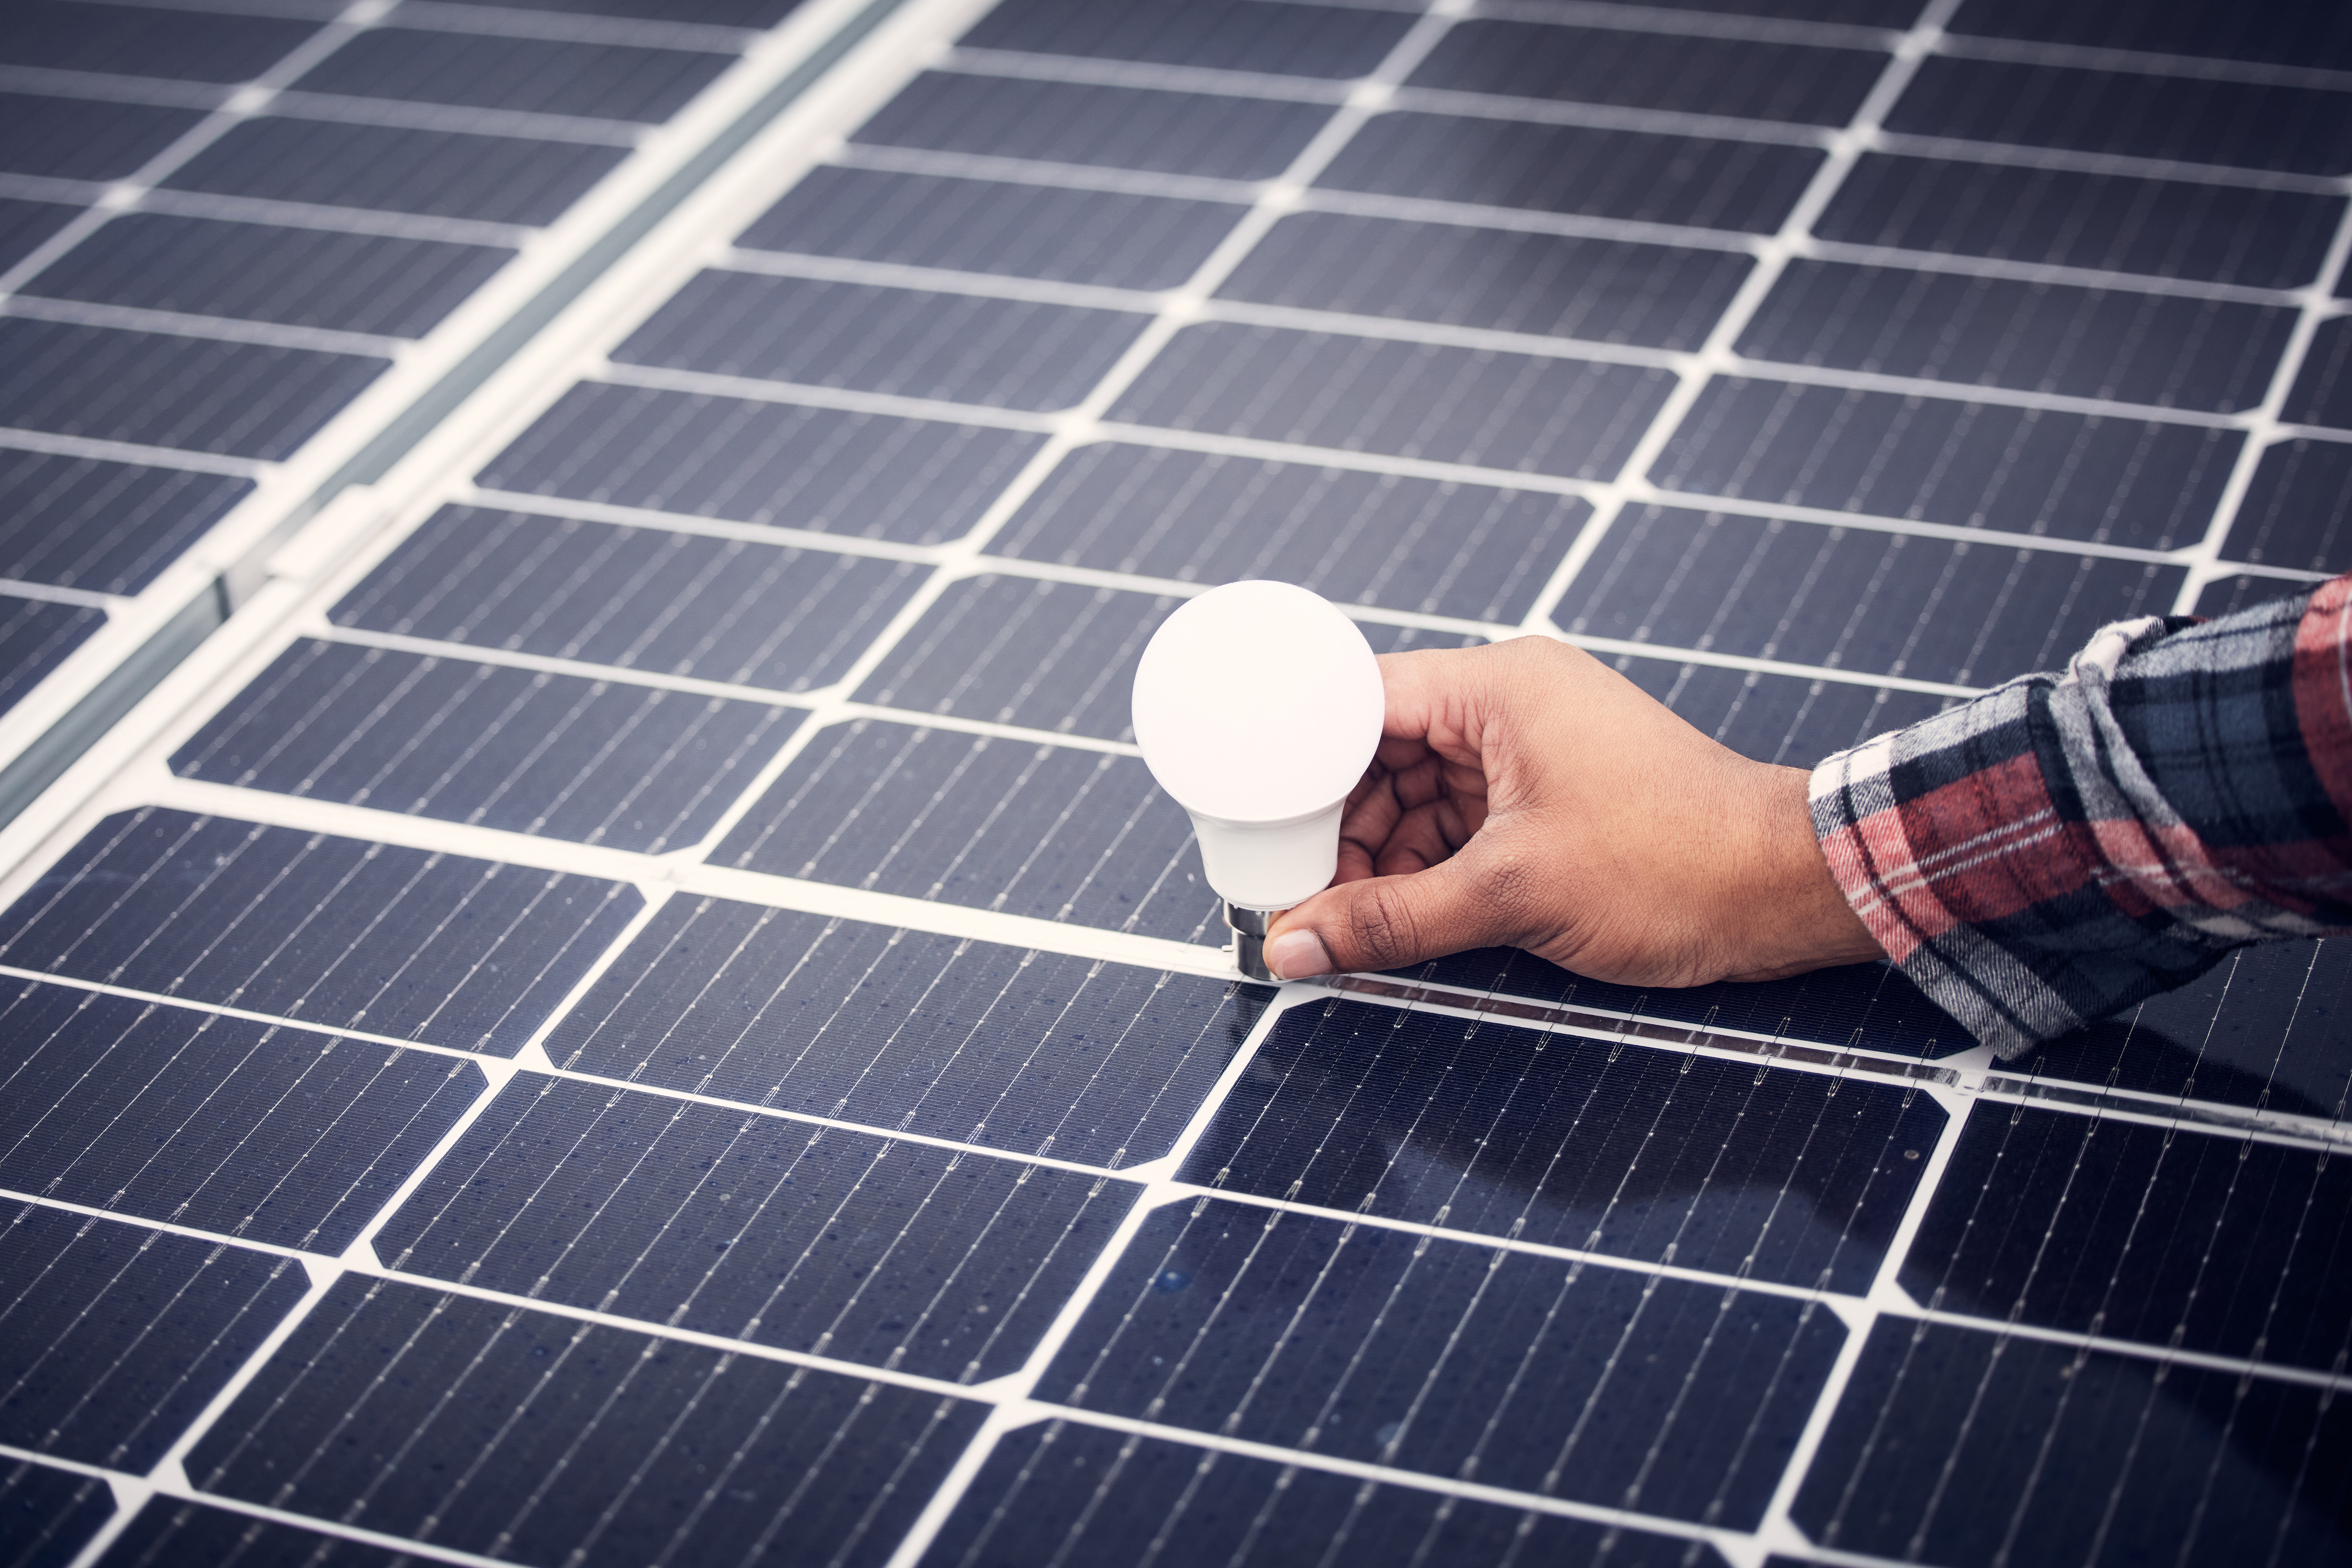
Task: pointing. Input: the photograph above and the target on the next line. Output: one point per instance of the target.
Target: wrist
(1787, 914)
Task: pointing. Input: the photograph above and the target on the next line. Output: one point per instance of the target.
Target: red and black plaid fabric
(2065, 845)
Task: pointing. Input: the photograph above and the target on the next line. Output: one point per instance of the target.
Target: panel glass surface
(660, 1015)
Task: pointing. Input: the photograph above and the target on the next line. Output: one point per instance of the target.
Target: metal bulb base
(1249, 940)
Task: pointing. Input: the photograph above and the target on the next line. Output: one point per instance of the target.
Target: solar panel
(636, 1003)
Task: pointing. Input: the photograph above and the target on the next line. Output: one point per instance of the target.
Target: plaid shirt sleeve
(2065, 845)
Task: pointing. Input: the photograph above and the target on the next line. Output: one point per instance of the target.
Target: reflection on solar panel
(637, 1004)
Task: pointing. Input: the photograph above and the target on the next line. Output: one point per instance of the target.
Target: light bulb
(1258, 706)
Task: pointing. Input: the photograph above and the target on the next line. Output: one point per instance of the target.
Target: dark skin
(1526, 795)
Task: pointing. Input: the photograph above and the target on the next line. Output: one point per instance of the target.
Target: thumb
(1385, 922)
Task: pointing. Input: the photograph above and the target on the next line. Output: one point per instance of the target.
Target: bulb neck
(1249, 940)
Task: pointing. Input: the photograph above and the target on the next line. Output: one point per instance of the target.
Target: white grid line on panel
(2021, 155)
(2284, 431)
(1610, 117)
(1529, 220)
(277, 214)
(2264, 425)
(2140, 62)
(213, 329)
(292, 10)
(409, 114)
(1772, 259)
(1408, 329)
(1695, 24)
(1089, 71)
(20, 440)
(572, 27)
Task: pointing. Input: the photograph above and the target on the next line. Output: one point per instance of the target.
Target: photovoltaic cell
(999, 354)
(1742, 77)
(479, 71)
(24, 225)
(1109, 237)
(1849, 599)
(2294, 513)
(351, 935)
(1433, 547)
(1057, 1488)
(1226, 35)
(1071, 122)
(1642, 1153)
(1033, 1052)
(733, 610)
(350, 282)
(833, 1243)
(36, 636)
(715, 13)
(440, 174)
(1973, 465)
(1745, 188)
(688, 1452)
(46, 1515)
(2246, 235)
(2080, 342)
(1618, 1388)
(250, 1130)
(635, 767)
(1494, 410)
(77, 139)
(141, 40)
(77, 522)
(167, 1531)
(241, 400)
(112, 1336)
(2302, 35)
(871, 476)
(2180, 1458)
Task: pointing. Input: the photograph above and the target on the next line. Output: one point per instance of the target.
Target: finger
(1382, 923)
(1418, 841)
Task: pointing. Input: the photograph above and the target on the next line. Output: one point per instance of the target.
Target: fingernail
(1296, 954)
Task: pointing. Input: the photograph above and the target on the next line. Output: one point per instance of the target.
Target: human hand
(1527, 794)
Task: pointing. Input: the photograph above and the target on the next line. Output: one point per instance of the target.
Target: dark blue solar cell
(1068, 123)
(2089, 1455)
(1011, 650)
(1975, 465)
(76, 138)
(633, 767)
(1535, 413)
(2261, 1027)
(1602, 291)
(273, 1134)
(1858, 13)
(1617, 1387)
(2195, 119)
(679, 603)
(77, 522)
(477, 71)
(2296, 32)
(36, 636)
(461, 952)
(1929, 609)
(1782, 718)
(113, 1337)
(2323, 391)
(442, 174)
(1745, 187)
(138, 40)
(2170, 229)
(298, 277)
(47, 1516)
(1359, 538)
(2142, 1232)
(1868, 1006)
(870, 476)
(168, 1532)
(2294, 512)
(1693, 74)
(2228, 595)
(1064, 1492)
(473, 1426)
(2038, 337)
(983, 226)
(1030, 1051)
(1046, 831)
(235, 399)
(24, 225)
(810, 1238)
(1003, 353)
(1230, 35)
(1641, 1151)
